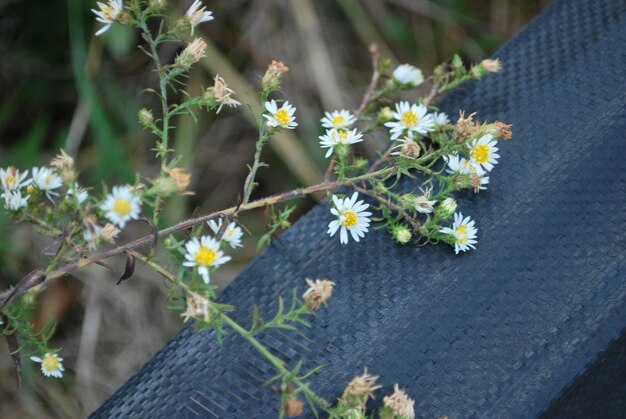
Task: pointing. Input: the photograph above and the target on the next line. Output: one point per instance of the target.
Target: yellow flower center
(10, 180)
(349, 218)
(282, 117)
(480, 153)
(108, 12)
(50, 363)
(122, 207)
(338, 120)
(461, 230)
(409, 118)
(30, 189)
(461, 240)
(205, 256)
(342, 135)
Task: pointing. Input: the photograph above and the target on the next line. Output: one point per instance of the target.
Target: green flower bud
(145, 117)
(401, 234)
(446, 209)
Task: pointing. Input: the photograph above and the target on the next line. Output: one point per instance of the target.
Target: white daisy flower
(410, 119)
(338, 119)
(46, 180)
(440, 119)
(12, 179)
(408, 74)
(204, 253)
(108, 13)
(14, 200)
(336, 136)
(79, 193)
(232, 235)
(464, 233)
(458, 165)
(482, 152)
(351, 216)
(197, 14)
(121, 206)
(282, 117)
(51, 365)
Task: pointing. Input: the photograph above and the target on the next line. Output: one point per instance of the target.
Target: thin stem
(75, 264)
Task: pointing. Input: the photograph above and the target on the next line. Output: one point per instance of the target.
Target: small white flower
(12, 179)
(204, 253)
(79, 193)
(440, 119)
(408, 74)
(282, 117)
(339, 136)
(464, 233)
(423, 204)
(458, 165)
(14, 200)
(51, 365)
(46, 180)
(121, 206)
(108, 13)
(197, 14)
(232, 235)
(351, 216)
(410, 119)
(482, 152)
(338, 119)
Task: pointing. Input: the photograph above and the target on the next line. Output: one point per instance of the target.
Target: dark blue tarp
(513, 329)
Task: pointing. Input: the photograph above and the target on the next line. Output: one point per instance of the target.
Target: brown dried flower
(64, 165)
(194, 52)
(221, 93)
(197, 307)
(466, 126)
(492, 66)
(408, 148)
(318, 293)
(272, 77)
(294, 407)
(503, 131)
(400, 404)
(359, 391)
(181, 178)
(109, 233)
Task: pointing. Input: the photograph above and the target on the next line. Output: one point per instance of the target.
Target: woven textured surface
(498, 332)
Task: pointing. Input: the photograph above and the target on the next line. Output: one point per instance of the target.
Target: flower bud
(402, 234)
(272, 78)
(294, 407)
(157, 5)
(385, 115)
(145, 117)
(194, 52)
(446, 208)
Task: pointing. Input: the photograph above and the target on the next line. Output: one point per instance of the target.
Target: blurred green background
(61, 87)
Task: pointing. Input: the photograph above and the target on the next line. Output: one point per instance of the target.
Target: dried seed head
(197, 307)
(220, 94)
(109, 233)
(294, 407)
(272, 78)
(181, 178)
(359, 391)
(318, 293)
(492, 66)
(400, 404)
(194, 52)
(466, 126)
(408, 148)
(64, 165)
(503, 131)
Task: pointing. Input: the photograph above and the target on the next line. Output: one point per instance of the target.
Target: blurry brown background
(60, 87)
